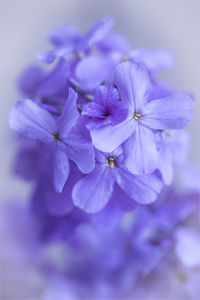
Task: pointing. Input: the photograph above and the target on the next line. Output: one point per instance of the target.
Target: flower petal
(28, 118)
(96, 33)
(173, 112)
(91, 71)
(109, 137)
(46, 57)
(61, 167)
(55, 81)
(143, 189)
(154, 60)
(93, 109)
(106, 109)
(132, 81)
(141, 156)
(69, 115)
(60, 204)
(30, 80)
(65, 35)
(114, 42)
(92, 192)
(106, 94)
(80, 152)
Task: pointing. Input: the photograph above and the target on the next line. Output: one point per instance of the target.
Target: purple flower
(67, 39)
(144, 118)
(54, 86)
(105, 109)
(76, 48)
(38, 84)
(92, 192)
(29, 119)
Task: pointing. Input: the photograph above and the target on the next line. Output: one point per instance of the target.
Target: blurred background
(24, 25)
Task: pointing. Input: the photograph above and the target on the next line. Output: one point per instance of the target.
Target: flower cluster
(101, 107)
(100, 138)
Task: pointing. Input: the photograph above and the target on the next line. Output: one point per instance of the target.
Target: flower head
(144, 117)
(92, 192)
(31, 120)
(105, 109)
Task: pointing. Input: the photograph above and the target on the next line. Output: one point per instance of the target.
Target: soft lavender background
(172, 24)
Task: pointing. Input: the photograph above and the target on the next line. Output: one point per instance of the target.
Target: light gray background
(24, 24)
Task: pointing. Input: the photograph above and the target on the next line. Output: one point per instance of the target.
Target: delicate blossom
(93, 191)
(144, 117)
(29, 119)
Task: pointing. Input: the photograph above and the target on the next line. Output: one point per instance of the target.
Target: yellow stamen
(137, 116)
(56, 136)
(111, 162)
